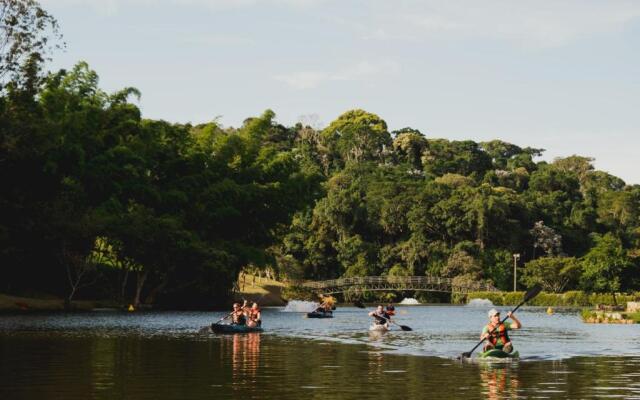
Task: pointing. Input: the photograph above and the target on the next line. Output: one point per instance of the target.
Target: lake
(161, 355)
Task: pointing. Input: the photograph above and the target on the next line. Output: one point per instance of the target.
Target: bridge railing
(410, 281)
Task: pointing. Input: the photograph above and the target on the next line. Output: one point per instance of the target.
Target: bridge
(394, 283)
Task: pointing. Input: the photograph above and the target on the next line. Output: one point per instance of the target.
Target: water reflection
(40, 366)
(245, 356)
(499, 381)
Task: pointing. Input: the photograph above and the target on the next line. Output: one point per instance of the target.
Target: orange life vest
(495, 333)
(253, 313)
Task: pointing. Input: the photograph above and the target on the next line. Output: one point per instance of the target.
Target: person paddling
(380, 316)
(326, 304)
(238, 316)
(496, 332)
(253, 315)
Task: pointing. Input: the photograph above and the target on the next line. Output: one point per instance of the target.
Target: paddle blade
(466, 355)
(405, 328)
(533, 292)
(358, 304)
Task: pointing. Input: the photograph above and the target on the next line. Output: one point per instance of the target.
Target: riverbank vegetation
(99, 202)
(573, 298)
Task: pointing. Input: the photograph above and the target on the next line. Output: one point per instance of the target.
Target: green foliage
(554, 274)
(177, 210)
(604, 264)
(634, 316)
(544, 299)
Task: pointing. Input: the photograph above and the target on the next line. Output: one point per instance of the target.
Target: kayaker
(325, 305)
(380, 316)
(391, 310)
(253, 315)
(238, 316)
(496, 332)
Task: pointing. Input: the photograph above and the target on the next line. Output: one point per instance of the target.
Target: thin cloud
(529, 24)
(113, 7)
(303, 79)
(218, 40)
(363, 70)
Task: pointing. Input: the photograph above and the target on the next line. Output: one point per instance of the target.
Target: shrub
(574, 298)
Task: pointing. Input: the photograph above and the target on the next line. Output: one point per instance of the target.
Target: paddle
(223, 318)
(533, 292)
(244, 304)
(403, 327)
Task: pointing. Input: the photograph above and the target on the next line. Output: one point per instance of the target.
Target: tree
(554, 274)
(357, 136)
(27, 34)
(604, 265)
(545, 238)
(459, 157)
(408, 145)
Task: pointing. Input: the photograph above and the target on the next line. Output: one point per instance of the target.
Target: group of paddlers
(245, 315)
(495, 332)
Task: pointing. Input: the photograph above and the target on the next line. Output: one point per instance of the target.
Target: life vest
(498, 333)
(253, 313)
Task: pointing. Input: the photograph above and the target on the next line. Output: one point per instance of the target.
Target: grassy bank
(567, 299)
(265, 292)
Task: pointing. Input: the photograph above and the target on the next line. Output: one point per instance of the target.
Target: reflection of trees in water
(499, 381)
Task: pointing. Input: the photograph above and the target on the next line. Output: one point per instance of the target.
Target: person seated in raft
(380, 316)
(391, 310)
(325, 305)
(238, 315)
(253, 315)
(496, 332)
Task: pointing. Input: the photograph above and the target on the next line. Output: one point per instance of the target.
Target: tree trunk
(123, 286)
(142, 276)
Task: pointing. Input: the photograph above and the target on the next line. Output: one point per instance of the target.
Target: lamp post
(515, 271)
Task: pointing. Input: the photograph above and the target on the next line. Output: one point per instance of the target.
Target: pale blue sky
(562, 75)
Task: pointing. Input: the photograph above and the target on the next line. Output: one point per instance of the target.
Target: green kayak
(495, 353)
(223, 328)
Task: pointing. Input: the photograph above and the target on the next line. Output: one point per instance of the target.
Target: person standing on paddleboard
(496, 332)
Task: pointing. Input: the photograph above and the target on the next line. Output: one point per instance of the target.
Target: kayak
(318, 314)
(224, 328)
(379, 327)
(495, 353)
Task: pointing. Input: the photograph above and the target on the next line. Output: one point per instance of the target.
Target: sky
(562, 75)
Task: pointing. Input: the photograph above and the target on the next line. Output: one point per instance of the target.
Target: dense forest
(99, 202)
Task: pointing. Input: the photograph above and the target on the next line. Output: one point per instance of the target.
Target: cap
(493, 312)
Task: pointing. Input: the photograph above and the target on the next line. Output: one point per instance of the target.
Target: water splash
(480, 303)
(300, 306)
(410, 301)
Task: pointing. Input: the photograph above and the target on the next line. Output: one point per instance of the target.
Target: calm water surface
(157, 355)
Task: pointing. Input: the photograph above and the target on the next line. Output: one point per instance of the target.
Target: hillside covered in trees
(98, 202)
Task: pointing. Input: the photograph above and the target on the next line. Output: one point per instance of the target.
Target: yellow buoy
(131, 307)
(549, 310)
